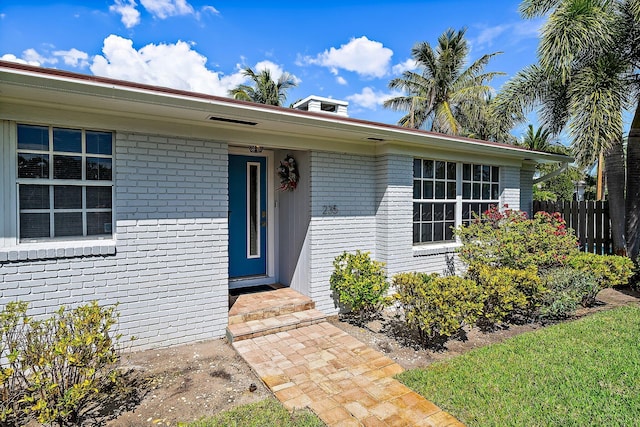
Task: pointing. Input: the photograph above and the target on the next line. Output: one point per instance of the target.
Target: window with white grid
(480, 189)
(65, 182)
(434, 200)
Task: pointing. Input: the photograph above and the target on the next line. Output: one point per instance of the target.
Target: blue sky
(338, 49)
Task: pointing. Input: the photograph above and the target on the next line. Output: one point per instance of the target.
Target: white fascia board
(167, 103)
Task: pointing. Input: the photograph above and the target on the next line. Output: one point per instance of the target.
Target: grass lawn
(581, 373)
(266, 413)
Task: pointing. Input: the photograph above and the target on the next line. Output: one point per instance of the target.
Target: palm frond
(537, 8)
(520, 95)
(265, 90)
(435, 93)
(576, 32)
(596, 97)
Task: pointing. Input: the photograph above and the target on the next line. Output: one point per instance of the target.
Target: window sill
(59, 249)
(435, 249)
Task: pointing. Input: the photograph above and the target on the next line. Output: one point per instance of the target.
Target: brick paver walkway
(344, 381)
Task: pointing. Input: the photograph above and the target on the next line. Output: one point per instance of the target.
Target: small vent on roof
(375, 139)
(235, 121)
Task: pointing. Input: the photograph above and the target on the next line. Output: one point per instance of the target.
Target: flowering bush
(510, 239)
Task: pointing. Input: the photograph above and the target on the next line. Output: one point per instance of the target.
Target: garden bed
(387, 335)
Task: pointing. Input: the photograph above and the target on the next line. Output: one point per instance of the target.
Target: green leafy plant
(359, 282)
(507, 292)
(609, 270)
(437, 306)
(61, 370)
(567, 287)
(510, 239)
(13, 326)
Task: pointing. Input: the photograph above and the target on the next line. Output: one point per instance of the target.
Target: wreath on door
(288, 172)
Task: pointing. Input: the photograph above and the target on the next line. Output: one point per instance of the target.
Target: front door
(247, 216)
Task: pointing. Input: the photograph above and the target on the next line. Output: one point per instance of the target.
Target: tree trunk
(615, 174)
(633, 188)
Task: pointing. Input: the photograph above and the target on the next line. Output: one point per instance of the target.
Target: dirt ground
(193, 381)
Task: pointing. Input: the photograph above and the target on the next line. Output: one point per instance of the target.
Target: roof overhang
(36, 87)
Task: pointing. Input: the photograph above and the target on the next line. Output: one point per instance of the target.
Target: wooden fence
(589, 219)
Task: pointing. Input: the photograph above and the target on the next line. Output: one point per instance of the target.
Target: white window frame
(459, 201)
(438, 203)
(52, 182)
(11, 248)
(480, 203)
(258, 196)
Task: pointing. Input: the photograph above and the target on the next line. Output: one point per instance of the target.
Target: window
(434, 195)
(480, 189)
(446, 194)
(65, 182)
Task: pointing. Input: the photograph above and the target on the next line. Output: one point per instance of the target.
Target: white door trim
(270, 278)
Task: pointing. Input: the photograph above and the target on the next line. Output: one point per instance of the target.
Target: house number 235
(330, 210)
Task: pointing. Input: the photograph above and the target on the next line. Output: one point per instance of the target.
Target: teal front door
(247, 216)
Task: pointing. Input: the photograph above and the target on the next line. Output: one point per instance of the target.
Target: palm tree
(478, 121)
(540, 140)
(442, 91)
(265, 90)
(587, 76)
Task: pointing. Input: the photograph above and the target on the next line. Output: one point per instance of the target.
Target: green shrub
(567, 287)
(507, 292)
(509, 239)
(437, 306)
(359, 282)
(13, 327)
(609, 270)
(62, 370)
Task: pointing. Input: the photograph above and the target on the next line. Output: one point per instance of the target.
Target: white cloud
(363, 56)
(12, 58)
(409, 64)
(161, 9)
(341, 80)
(31, 55)
(211, 10)
(488, 35)
(515, 32)
(130, 16)
(171, 65)
(73, 57)
(165, 8)
(528, 29)
(370, 98)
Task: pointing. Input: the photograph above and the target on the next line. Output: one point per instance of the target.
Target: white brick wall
(510, 184)
(168, 266)
(348, 182)
(394, 193)
(378, 193)
(395, 222)
(169, 270)
(526, 194)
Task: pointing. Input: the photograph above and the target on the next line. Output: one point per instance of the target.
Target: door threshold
(245, 282)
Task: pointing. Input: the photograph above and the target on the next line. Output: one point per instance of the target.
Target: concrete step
(271, 325)
(263, 305)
